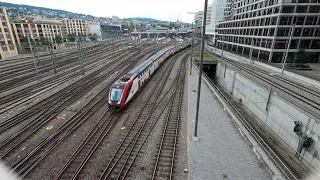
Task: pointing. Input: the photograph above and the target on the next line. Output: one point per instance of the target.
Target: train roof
(146, 63)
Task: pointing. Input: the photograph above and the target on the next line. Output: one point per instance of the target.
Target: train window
(115, 95)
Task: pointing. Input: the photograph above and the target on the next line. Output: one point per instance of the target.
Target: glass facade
(267, 24)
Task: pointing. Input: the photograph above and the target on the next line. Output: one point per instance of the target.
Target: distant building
(115, 19)
(110, 31)
(198, 19)
(7, 44)
(37, 29)
(95, 28)
(75, 26)
(209, 10)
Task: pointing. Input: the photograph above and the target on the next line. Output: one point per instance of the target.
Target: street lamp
(195, 135)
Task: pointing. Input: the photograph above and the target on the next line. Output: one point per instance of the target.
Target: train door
(139, 85)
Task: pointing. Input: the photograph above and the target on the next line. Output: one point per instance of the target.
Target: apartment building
(75, 26)
(7, 43)
(36, 29)
(265, 27)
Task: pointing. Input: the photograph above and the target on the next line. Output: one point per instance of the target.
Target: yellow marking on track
(23, 148)
(122, 128)
(49, 127)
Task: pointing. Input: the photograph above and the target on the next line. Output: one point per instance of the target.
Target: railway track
(59, 97)
(308, 97)
(17, 96)
(164, 166)
(44, 63)
(28, 75)
(122, 160)
(64, 99)
(35, 155)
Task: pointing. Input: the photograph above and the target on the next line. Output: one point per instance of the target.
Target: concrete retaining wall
(280, 116)
(236, 57)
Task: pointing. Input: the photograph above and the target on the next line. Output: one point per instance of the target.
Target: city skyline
(125, 9)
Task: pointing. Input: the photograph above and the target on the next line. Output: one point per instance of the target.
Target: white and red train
(129, 85)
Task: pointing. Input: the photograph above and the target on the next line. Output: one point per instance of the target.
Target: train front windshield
(115, 95)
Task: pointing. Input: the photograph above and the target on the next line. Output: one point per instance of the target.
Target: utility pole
(53, 57)
(195, 135)
(79, 43)
(34, 61)
(224, 36)
(251, 51)
(288, 47)
(192, 44)
(37, 54)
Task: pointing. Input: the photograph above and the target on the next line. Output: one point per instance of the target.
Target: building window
(274, 20)
(294, 44)
(307, 32)
(315, 44)
(283, 32)
(304, 44)
(287, 9)
(303, 1)
(297, 31)
(301, 9)
(298, 20)
(285, 20)
(271, 32)
(314, 9)
(311, 20)
(269, 43)
(280, 44)
(317, 33)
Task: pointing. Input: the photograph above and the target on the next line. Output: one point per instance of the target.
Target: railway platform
(220, 152)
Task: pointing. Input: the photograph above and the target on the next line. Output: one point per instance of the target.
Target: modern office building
(265, 26)
(37, 29)
(198, 19)
(7, 44)
(209, 12)
(218, 8)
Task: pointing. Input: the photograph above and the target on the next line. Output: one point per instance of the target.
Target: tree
(72, 37)
(93, 37)
(58, 39)
(24, 39)
(43, 41)
(17, 21)
(300, 57)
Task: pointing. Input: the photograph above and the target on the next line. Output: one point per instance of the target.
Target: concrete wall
(236, 57)
(95, 28)
(280, 116)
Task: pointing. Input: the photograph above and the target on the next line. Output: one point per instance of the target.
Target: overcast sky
(158, 9)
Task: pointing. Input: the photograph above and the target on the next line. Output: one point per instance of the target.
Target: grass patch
(206, 57)
(298, 66)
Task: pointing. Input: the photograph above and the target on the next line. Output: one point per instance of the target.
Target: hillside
(24, 11)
